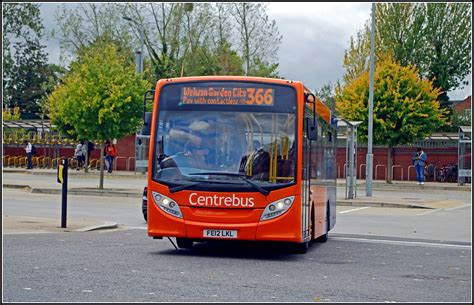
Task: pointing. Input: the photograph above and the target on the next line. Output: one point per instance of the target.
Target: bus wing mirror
(146, 129)
(311, 124)
(311, 129)
(149, 95)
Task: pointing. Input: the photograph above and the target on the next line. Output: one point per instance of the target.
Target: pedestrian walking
(419, 161)
(109, 152)
(79, 154)
(29, 154)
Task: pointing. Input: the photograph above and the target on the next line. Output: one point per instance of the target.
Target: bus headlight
(277, 208)
(167, 205)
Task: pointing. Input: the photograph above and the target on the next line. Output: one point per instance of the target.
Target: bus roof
(321, 109)
(229, 78)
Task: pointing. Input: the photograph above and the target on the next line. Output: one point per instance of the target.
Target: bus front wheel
(184, 243)
(301, 248)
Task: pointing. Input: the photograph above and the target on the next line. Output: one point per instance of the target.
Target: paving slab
(393, 202)
(34, 225)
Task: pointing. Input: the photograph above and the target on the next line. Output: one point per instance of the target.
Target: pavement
(130, 184)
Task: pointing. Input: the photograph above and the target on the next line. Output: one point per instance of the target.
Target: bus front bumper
(284, 228)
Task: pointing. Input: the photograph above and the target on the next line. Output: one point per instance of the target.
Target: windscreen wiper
(239, 175)
(183, 187)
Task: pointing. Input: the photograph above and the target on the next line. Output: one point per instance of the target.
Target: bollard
(62, 178)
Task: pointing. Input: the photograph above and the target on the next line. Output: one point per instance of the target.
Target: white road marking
(429, 212)
(399, 242)
(460, 207)
(358, 209)
(437, 210)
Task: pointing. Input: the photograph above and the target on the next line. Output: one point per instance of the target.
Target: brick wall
(402, 157)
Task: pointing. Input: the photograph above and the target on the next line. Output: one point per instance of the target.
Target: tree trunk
(101, 179)
(389, 164)
(86, 164)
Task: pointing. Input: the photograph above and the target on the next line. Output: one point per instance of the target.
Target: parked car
(145, 202)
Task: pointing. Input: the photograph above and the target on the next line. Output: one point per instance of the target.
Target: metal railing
(408, 170)
(360, 170)
(5, 160)
(116, 161)
(399, 166)
(55, 162)
(376, 170)
(128, 162)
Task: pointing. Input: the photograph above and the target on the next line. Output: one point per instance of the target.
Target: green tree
(162, 26)
(447, 56)
(434, 37)
(228, 61)
(20, 22)
(54, 76)
(11, 115)
(326, 94)
(460, 119)
(399, 32)
(25, 67)
(100, 98)
(356, 60)
(405, 107)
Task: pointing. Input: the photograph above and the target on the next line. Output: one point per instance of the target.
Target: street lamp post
(141, 141)
(139, 58)
(370, 156)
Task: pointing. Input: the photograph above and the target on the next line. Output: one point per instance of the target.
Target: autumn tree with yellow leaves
(405, 107)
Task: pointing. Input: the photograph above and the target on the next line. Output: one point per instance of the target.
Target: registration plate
(220, 233)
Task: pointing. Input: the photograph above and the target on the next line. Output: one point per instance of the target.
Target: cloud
(315, 36)
(47, 11)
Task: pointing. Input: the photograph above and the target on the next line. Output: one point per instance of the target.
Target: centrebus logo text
(220, 201)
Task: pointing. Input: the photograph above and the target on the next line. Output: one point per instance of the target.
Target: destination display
(255, 96)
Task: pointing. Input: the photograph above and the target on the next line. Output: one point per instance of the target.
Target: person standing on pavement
(419, 161)
(110, 152)
(29, 154)
(79, 154)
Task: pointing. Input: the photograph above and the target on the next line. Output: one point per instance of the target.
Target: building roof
(39, 125)
(462, 105)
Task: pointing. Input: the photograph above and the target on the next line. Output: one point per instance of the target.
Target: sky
(315, 36)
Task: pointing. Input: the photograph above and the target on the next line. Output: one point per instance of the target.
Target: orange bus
(242, 158)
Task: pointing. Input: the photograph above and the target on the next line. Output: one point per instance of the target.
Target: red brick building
(463, 106)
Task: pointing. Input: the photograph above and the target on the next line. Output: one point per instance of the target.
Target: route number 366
(259, 96)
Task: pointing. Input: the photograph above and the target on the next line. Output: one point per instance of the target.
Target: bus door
(306, 181)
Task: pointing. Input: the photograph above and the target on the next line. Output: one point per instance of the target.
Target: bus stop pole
(370, 156)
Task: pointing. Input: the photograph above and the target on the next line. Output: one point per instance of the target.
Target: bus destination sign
(227, 96)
